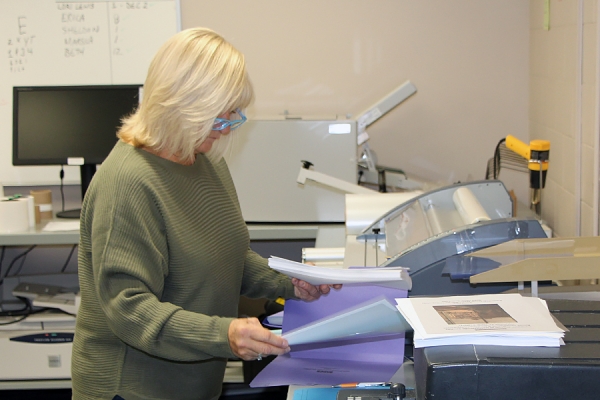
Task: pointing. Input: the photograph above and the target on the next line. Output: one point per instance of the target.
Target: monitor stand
(87, 172)
(74, 214)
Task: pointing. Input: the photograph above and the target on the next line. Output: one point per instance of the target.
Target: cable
(22, 255)
(1, 259)
(18, 271)
(14, 321)
(62, 192)
(495, 162)
(68, 258)
(497, 158)
(23, 312)
(504, 158)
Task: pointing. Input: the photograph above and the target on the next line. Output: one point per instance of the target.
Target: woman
(164, 251)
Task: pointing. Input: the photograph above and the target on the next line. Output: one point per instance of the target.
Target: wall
(50, 42)
(563, 110)
(588, 160)
(467, 58)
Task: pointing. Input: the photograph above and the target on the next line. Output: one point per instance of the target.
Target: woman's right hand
(249, 340)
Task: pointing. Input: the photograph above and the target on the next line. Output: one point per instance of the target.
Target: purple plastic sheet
(370, 358)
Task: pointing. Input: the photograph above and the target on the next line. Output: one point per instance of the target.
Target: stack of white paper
(390, 277)
(495, 319)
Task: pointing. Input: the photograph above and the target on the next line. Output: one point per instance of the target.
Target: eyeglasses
(222, 123)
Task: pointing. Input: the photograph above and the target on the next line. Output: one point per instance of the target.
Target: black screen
(54, 124)
(69, 125)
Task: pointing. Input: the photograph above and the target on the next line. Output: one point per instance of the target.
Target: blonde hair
(194, 77)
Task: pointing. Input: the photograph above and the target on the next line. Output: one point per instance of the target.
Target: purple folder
(368, 358)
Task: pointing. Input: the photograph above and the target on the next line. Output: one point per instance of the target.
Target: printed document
(494, 319)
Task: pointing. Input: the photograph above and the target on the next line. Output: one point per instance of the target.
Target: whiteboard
(265, 161)
(59, 42)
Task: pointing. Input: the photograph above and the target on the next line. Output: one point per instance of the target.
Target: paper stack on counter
(494, 319)
(396, 277)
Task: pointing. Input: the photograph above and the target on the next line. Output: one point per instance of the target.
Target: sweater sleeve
(130, 265)
(261, 281)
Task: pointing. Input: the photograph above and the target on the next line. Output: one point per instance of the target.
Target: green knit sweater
(163, 258)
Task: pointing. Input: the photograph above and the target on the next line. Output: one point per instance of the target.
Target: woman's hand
(307, 292)
(249, 340)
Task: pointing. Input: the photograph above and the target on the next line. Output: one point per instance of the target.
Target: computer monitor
(69, 125)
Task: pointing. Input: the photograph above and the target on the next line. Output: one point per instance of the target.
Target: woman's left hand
(307, 292)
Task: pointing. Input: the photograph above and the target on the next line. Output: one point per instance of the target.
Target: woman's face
(214, 135)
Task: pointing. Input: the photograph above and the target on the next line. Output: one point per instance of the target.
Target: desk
(262, 235)
(233, 374)
(38, 236)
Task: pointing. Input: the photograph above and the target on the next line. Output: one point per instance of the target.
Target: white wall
(564, 110)
(467, 58)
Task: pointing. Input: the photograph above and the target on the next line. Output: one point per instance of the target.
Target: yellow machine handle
(518, 147)
(537, 152)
